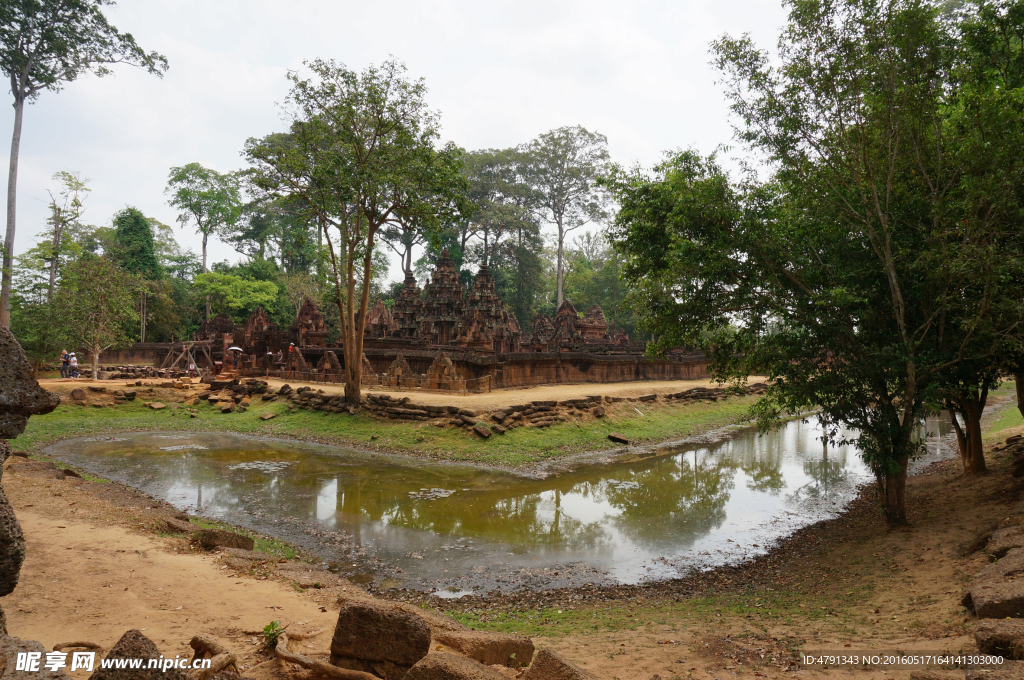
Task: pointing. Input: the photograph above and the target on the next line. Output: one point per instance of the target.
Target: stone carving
(309, 329)
(380, 322)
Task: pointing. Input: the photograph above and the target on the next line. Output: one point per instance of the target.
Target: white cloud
(499, 72)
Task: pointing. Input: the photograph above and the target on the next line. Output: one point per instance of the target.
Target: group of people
(68, 364)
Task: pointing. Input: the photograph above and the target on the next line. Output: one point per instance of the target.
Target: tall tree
(43, 45)
(206, 198)
(361, 152)
(134, 248)
(95, 306)
(64, 211)
(837, 277)
(563, 166)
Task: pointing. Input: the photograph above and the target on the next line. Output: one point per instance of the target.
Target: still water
(405, 522)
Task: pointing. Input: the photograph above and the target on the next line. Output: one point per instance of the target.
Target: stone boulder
(553, 666)
(451, 667)
(12, 542)
(375, 636)
(135, 645)
(1004, 637)
(10, 647)
(178, 526)
(20, 394)
(218, 538)
(78, 394)
(998, 600)
(489, 649)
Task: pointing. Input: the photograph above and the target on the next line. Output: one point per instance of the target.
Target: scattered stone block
(1009, 566)
(229, 408)
(617, 438)
(268, 397)
(248, 555)
(180, 527)
(135, 645)
(268, 416)
(489, 648)
(482, 431)
(648, 397)
(130, 395)
(1003, 637)
(372, 631)
(97, 388)
(998, 600)
(598, 411)
(498, 429)
(78, 394)
(157, 406)
(237, 563)
(451, 667)
(1005, 540)
(553, 666)
(219, 538)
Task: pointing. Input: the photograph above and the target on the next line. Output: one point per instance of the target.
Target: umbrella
(235, 349)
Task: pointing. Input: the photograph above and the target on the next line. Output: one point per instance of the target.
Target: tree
(44, 45)
(134, 247)
(837, 277)
(63, 212)
(562, 167)
(235, 294)
(207, 198)
(361, 152)
(95, 306)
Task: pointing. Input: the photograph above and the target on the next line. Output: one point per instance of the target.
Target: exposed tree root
(221, 656)
(324, 669)
(81, 645)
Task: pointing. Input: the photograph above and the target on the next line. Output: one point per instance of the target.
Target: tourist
(73, 366)
(65, 364)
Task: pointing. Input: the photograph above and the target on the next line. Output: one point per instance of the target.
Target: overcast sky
(500, 73)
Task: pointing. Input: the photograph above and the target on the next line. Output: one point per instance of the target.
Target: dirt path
(488, 400)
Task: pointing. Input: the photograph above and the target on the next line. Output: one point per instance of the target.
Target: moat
(402, 522)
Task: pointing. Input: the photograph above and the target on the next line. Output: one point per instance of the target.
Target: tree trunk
(892, 489)
(95, 360)
(205, 237)
(58, 228)
(12, 197)
(1018, 380)
(558, 268)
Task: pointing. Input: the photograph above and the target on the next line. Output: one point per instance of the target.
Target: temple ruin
(445, 336)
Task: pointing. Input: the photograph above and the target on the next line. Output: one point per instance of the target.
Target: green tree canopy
(134, 249)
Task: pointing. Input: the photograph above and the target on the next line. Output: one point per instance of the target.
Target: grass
(762, 608)
(1008, 418)
(639, 422)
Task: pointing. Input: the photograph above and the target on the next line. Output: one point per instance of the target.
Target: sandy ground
(94, 570)
(487, 400)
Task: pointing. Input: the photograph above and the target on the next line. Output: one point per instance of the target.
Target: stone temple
(443, 336)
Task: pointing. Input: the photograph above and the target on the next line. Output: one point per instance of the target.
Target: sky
(500, 73)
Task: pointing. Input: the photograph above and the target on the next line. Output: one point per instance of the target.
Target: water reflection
(701, 505)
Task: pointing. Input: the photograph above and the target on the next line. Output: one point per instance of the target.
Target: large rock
(20, 394)
(553, 666)
(1004, 637)
(10, 647)
(998, 600)
(218, 538)
(488, 648)
(1005, 540)
(451, 667)
(135, 645)
(12, 542)
(371, 631)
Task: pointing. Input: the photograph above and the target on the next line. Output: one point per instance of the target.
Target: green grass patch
(758, 608)
(639, 422)
(994, 429)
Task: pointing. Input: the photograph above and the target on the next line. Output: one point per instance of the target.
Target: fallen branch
(325, 669)
(82, 645)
